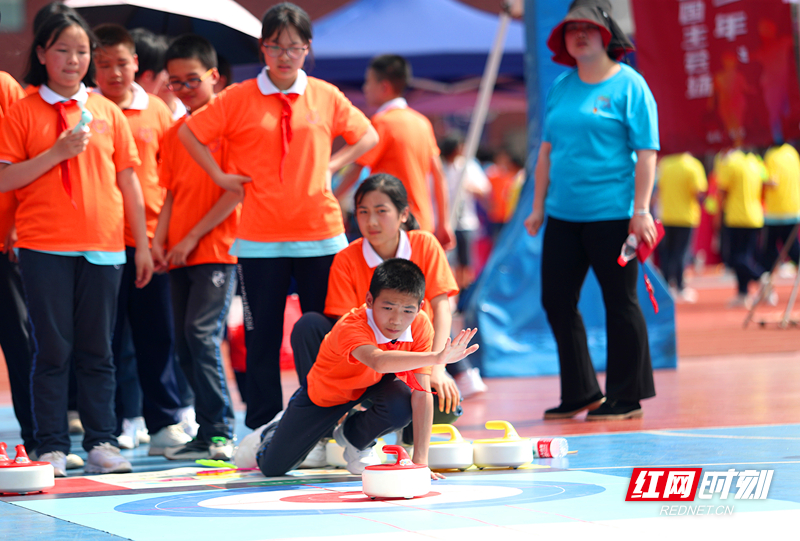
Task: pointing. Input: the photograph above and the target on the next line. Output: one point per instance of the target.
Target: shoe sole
(570, 414)
(635, 414)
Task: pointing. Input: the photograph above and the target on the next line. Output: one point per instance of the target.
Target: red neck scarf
(61, 107)
(286, 126)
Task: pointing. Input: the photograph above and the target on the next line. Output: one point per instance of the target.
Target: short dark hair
(392, 68)
(399, 275)
(449, 144)
(224, 68)
(111, 35)
(151, 50)
(393, 189)
(53, 8)
(283, 15)
(192, 46)
(48, 33)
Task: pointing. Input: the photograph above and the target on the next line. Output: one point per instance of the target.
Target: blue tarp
(444, 40)
(505, 303)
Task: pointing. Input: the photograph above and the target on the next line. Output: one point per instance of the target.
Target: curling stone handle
(22, 455)
(455, 435)
(3, 454)
(510, 433)
(397, 450)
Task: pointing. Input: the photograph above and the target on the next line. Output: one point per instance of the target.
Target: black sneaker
(194, 450)
(616, 410)
(567, 411)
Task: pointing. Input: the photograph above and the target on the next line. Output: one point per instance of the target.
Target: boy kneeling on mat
(379, 353)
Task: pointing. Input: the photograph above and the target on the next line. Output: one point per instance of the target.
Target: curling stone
(452, 454)
(403, 479)
(21, 475)
(510, 451)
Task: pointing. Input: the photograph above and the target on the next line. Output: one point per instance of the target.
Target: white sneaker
(318, 457)
(469, 382)
(74, 462)
(169, 436)
(58, 461)
(128, 439)
(245, 454)
(141, 430)
(105, 458)
(221, 448)
(739, 301)
(687, 295)
(357, 459)
(189, 420)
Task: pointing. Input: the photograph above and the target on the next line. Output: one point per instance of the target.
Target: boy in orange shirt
(407, 148)
(147, 309)
(196, 229)
(379, 352)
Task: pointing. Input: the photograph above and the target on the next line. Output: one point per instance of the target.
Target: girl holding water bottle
(594, 176)
(74, 188)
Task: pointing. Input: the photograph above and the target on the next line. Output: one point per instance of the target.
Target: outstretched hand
(456, 349)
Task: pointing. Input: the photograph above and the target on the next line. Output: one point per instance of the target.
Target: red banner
(722, 71)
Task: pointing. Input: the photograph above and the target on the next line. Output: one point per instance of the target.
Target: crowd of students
(131, 233)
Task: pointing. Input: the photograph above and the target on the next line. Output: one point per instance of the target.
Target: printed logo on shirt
(99, 125)
(214, 145)
(145, 135)
(602, 103)
(312, 117)
(218, 278)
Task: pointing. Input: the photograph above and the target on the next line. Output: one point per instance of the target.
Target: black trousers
(265, 284)
(769, 252)
(201, 298)
(72, 305)
(568, 250)
(304, 424)
(17, 345)
(149, 312)
(743, 254)
(672, 253)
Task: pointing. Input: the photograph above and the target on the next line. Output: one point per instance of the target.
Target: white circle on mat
(349, 499)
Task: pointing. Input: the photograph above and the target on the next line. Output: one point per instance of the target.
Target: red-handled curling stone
(21, 475)
(403, 479)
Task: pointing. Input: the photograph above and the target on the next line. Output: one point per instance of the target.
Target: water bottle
(549, 447)
(83, 125)
(628, 251)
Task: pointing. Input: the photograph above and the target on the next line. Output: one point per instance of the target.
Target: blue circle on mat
(188, 505)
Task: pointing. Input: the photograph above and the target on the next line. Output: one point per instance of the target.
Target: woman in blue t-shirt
(594, 177)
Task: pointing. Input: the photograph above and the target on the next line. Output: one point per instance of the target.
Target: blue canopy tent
(444, 40)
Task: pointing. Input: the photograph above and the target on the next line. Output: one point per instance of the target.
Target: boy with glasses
(195, 232)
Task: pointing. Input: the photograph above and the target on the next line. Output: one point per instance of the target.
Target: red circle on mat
(343, 497)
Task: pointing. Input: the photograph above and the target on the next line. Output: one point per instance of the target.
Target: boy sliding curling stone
(378, 353)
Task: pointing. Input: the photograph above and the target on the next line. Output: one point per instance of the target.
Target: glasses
(190, 84)
(294, 53)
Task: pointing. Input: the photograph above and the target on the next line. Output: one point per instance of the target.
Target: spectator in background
(225, 75)
(465, 218)
(681, 181)
(506, 176)
(781, 203)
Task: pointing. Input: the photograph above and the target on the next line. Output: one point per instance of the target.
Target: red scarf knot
(286, 126)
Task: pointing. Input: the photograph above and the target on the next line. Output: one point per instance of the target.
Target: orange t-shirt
(406, 150)
(337, 377)
(149, 126)
(46, 219)
(302, 207)
(10, 92)
(193, 195)
(350, 275)
(502, 181)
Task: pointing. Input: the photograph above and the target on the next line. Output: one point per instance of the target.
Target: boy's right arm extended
(388, 362)
(202, 155)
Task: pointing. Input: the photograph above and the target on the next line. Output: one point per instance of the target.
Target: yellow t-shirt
(742, 176)
(782, 202)
(680, 178)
